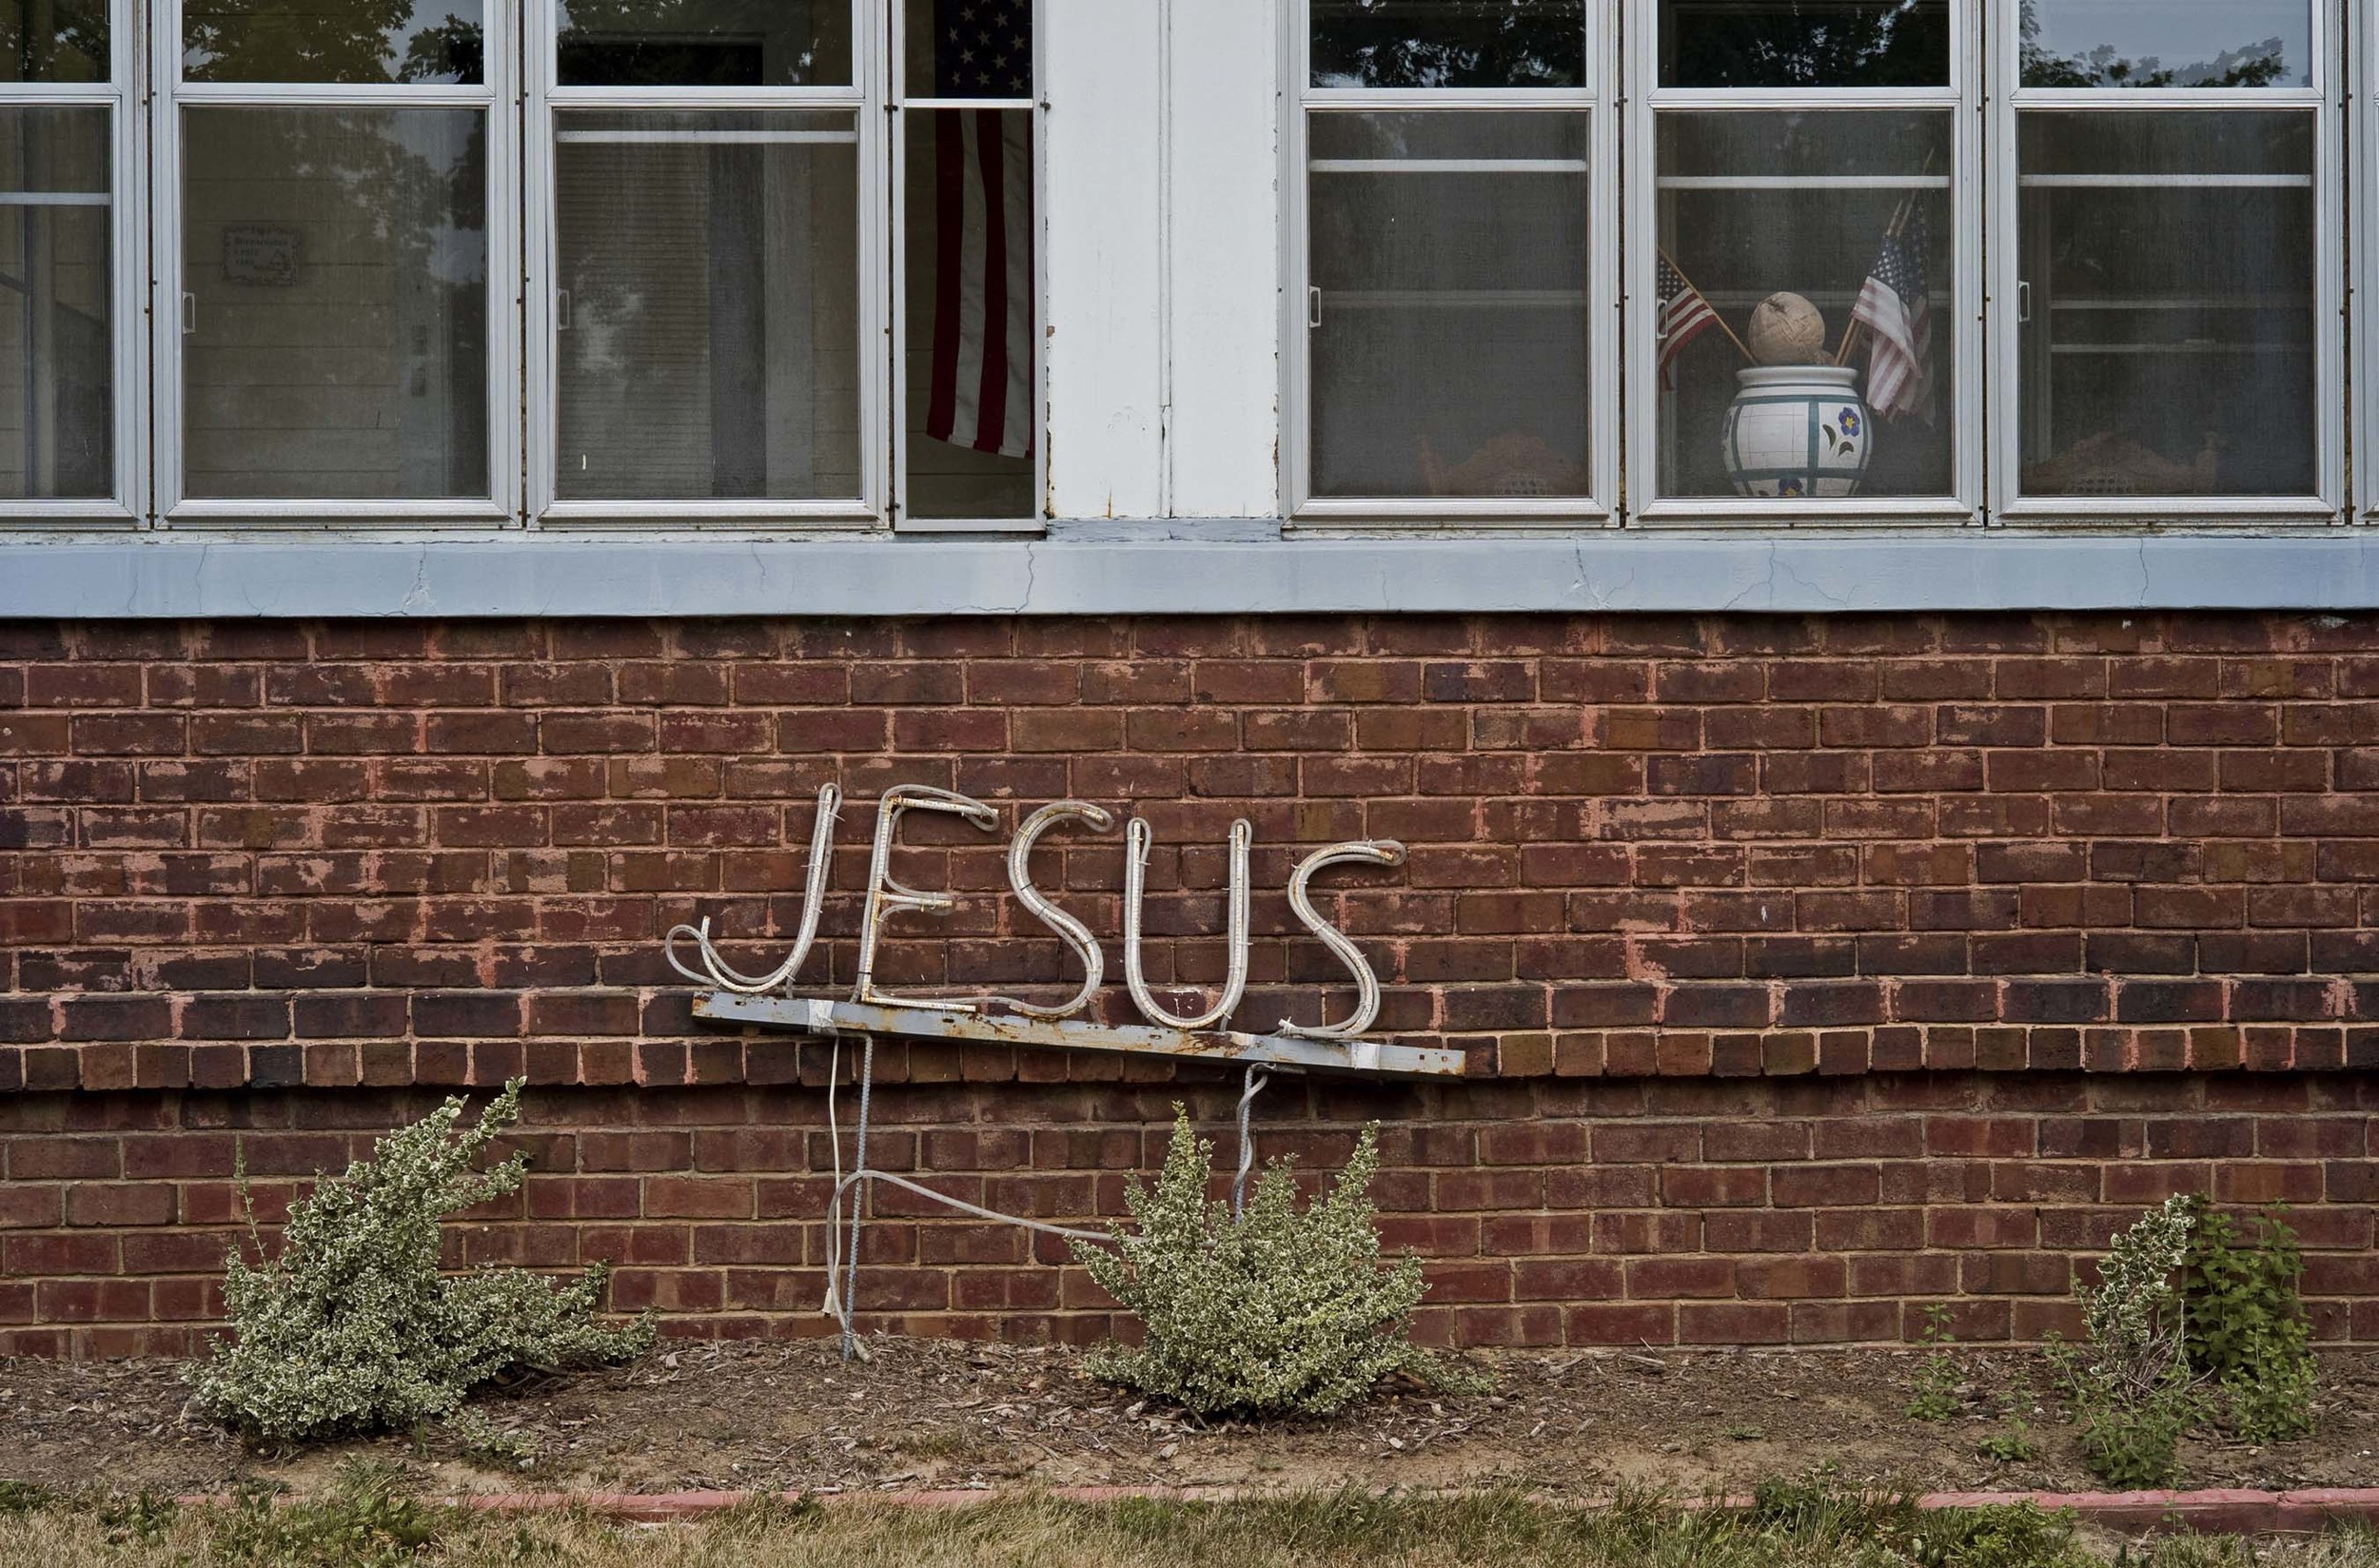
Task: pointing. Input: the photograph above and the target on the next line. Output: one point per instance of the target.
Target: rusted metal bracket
(1293, 1052)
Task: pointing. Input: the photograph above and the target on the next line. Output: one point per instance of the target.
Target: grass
(368, 1523)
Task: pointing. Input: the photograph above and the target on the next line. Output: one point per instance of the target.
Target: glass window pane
(57, 379)
(1449, 42)
(2167, 43)
(54, 39)
(333, 40)
(2167, 264)
(709, 337)
(1449, 254)
(1804, 42)
(1802, 231)
(704, 43)
(335, 337)
(968, 290)
(968, 48)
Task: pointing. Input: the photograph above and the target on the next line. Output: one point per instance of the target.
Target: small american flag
(1684, 314)
(983, 304)
(1894, 307)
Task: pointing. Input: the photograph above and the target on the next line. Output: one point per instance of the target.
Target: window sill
(1222, 567)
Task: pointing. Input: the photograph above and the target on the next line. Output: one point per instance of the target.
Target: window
(67, 395)
(476, 262)
(713, 170)
(1795, 153)
(331, 184)
(1812, 192)
(2174, 259)
(1453, 162)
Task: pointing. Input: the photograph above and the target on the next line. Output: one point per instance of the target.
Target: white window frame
(1961, 100)
(547, 97)
(494, 98)
(893, 62)
(2360, 92)
(2323, 100)
(127, 257)
(1600, 506)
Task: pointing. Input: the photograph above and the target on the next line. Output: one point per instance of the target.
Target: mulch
(924, 1414)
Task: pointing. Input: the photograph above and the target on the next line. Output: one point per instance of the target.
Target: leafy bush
(2133, 1394)
(2186, 1301)
(1284, 1311)
(1935, 1398)
(353, 1327)
(2246, 1324)
(2013, 1446)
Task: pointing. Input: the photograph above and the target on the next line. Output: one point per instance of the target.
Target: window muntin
(2166, 43)
(708, 330)
(1452, 170)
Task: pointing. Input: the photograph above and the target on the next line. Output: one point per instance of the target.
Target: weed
(367, 1520)
(481, 1441)
(2013, 1446)
(1743, 1433)
(2246, 1324)
(1935, 1398)
(24, 1496)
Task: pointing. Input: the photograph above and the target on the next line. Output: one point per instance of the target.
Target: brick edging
(2216, 1510)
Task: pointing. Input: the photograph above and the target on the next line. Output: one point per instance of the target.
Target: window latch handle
(1314, 308)
(190, 314)
(561, 311)
(2023, 302)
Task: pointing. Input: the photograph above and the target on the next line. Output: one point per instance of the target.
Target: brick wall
(2089, 891)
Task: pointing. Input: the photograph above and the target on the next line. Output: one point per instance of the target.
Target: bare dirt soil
(944, 1414)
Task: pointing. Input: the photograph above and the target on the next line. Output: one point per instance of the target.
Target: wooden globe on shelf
(1786, 329)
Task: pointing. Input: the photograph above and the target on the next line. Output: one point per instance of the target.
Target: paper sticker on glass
(1801, 319)
(2167, 303)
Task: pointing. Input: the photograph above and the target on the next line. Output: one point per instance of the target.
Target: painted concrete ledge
(1127, 569)
(2221, 1511)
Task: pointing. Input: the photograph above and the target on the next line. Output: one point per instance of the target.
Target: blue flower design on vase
(1849, 421)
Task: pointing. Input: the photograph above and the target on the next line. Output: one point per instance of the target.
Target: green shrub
(2133, 1393)
(1285, 1311)
(1934, 1397)
(352, 1327)
(2246, 1324)
(2013, 1446)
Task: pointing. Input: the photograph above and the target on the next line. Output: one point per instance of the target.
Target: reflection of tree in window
(697, 43)
(1448, 43)
(2258, 63)
(1804, 42)
(337, 41)
(409, 360)
(60, 41)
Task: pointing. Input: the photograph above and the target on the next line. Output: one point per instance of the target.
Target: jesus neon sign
(887, 898)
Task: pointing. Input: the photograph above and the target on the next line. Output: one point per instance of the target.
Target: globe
(1786, 329)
